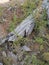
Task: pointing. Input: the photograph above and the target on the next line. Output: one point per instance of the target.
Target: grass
(1, 10)
(39, 40)
(27, 8)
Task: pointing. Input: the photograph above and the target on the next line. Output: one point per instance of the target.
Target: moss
(41, 47)
(47, 36)
(44, 15)
(20, 41)
(11, 27)
(1, 10)
(46, 56)
(39, 40)
(6, 61)
(34, 60)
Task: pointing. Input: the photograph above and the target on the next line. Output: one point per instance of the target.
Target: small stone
(25, 48)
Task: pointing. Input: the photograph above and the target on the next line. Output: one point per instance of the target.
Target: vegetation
(26, 9)
(37, 42)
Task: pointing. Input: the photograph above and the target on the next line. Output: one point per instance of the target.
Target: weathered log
(26, 25)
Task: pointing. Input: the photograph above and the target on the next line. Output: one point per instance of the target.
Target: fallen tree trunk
(25, 27)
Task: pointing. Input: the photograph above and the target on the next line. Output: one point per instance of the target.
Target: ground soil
(8, 15)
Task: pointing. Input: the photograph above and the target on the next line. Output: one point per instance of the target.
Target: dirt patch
(7, 16)
(2, 31)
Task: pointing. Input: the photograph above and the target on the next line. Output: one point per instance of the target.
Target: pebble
(25, 48)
